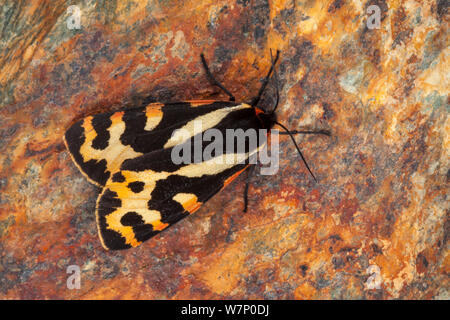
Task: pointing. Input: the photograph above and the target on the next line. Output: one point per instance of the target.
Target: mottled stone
(381, 202)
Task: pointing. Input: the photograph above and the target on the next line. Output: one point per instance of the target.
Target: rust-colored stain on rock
(376, 225)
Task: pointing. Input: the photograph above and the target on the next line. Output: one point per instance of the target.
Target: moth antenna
(276, 86)
(297, 147)
(255, 100)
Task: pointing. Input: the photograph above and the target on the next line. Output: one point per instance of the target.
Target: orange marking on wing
(152, 112)
(113, 223)
(116, 117)
(189, 201)
(89, 131)
(192, 205)
(159, 226)
(154, 115)
(234, 176)
(128, 234)
(197, 103)
(156, 105)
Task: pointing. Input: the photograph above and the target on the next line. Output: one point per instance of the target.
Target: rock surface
(376, 225)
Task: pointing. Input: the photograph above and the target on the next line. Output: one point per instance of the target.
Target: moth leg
(213, 80)
(250, 172)
(256, 99)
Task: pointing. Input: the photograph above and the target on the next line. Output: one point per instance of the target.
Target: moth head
(268, 119)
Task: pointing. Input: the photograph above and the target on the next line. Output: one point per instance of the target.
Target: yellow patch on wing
(115, 153)
(189, 201)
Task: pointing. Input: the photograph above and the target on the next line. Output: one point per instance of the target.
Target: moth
(128, 155)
